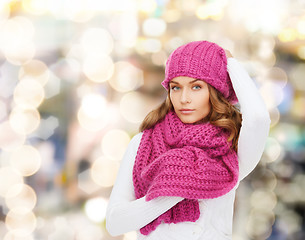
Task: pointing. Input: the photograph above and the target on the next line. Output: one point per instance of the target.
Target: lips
(186, 111)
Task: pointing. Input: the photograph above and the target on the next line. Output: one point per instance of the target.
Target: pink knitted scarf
(193, 161)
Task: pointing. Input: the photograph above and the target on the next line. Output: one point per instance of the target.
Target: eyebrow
(195, 80)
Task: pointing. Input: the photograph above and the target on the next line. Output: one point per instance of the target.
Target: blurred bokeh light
(78, 77)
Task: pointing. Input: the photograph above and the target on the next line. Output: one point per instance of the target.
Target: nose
(185, 96)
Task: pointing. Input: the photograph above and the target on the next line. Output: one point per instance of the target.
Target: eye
(196, 87)
(175, 88)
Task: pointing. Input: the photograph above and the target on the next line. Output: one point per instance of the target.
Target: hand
(228, 53)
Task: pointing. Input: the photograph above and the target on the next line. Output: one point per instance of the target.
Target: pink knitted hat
(201, 60)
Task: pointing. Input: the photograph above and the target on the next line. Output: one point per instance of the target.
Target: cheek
(208, 104)
(208, 101)
(173, 98)
(170, 98)
(207, 98)
(203, 100)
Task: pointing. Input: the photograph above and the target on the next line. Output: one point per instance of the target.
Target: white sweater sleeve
(125, 213)
(255, 118)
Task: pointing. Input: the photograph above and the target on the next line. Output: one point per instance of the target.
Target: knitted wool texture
(193, 161)
(201, 60)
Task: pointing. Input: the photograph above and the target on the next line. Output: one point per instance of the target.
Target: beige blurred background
(77, 78)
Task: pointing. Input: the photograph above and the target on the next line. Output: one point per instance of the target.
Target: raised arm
(255, 118)
(124, 212)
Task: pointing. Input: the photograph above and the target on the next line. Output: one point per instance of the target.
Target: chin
(188, 120)
(192, 119)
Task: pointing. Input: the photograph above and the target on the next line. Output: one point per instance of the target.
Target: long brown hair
(222, 114)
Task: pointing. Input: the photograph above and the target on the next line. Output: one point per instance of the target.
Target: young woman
(179, 175)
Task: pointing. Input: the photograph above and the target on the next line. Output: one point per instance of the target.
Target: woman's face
(190, 98)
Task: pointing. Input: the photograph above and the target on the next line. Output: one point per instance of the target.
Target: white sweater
(126, 213)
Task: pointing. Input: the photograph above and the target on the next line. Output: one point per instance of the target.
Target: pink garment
(193, 161)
